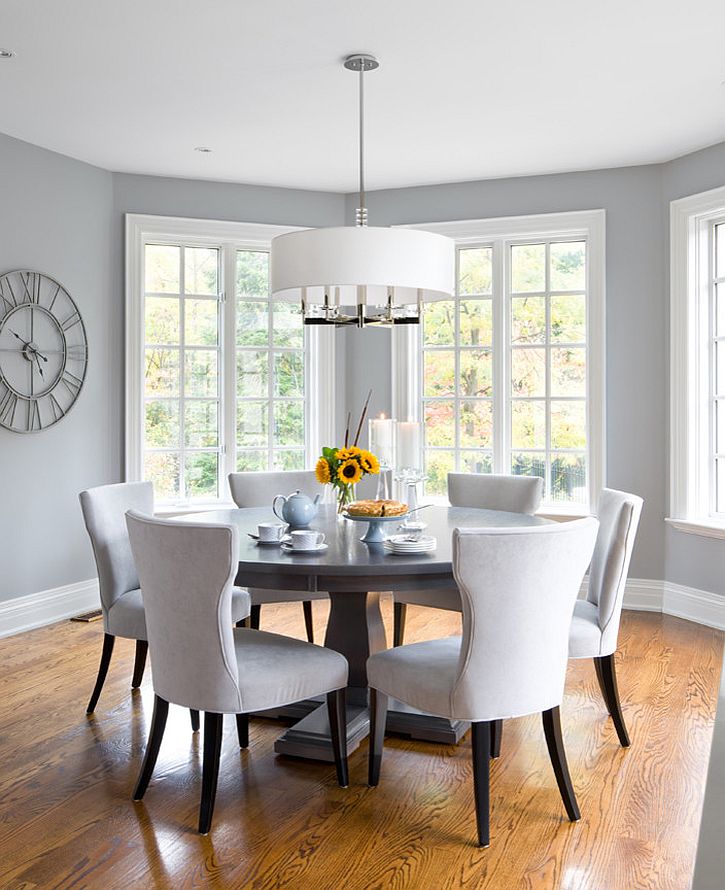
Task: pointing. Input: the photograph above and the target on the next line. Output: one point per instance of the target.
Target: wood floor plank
(67, 820)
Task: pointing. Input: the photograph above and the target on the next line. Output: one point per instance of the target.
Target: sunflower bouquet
(343, 468)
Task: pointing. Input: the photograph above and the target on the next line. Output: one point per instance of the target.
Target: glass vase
(345, 496)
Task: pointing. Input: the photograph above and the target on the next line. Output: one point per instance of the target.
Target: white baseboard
(648, 595)
(694, 605)
(48, 606)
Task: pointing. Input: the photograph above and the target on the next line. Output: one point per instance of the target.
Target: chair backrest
(104, 513)
(518, 588)
(619, 514)
(187, 574)
(256, 489)
(514, 494)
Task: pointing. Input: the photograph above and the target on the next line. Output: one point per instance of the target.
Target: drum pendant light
(362, 274)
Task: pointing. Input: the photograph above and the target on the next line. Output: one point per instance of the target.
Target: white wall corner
(48, 606)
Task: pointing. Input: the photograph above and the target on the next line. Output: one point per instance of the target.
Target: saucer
(288, 548)
(274, 543)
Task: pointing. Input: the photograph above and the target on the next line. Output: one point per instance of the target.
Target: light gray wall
(55, 217)
(690, 559)
(636, 310)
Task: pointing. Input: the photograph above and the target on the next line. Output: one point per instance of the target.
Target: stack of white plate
(403, 544)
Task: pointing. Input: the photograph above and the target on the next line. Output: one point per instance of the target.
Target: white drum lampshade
(358, 264)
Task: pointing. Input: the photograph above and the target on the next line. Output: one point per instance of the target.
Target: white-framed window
(218, 374)
(697, 363)
(509, 375)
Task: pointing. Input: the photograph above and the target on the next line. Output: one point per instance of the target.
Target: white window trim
(319, 342)
(590, 224)
(689, 365)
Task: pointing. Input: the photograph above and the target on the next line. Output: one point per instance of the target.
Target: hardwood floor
(67, 819)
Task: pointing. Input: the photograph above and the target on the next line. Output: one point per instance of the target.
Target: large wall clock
(43, 351)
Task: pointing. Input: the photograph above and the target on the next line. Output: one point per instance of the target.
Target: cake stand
(375, 533)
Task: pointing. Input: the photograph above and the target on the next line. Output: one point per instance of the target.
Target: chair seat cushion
(260, 597)
(275, 670)
(435, 599)
(421, 674)
(126, 617)
(585, 637)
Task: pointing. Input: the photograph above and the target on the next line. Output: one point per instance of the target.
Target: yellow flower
(369, 462)
(322, 471)
(350, 472)
(348, 453)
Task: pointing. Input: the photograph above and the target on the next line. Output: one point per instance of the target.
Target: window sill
(706, 528)
(168, 511)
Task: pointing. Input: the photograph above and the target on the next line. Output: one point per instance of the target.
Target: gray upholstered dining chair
(104, 512)
(595, 624)
(257, 489)
(510, 661)
(201, 662)
(513, 494)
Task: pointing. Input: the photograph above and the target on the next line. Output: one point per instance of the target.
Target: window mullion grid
(457, 367)
(270, 382)
(547, 371)
(500, 312)
(713, 504)
(228, 337)
(182, 374)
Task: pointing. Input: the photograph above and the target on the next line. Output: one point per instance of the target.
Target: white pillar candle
(381, 439)
(409, 445)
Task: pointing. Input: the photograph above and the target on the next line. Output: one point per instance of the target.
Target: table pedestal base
(310, 736)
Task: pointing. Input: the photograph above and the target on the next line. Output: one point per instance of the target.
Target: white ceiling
(467, 89)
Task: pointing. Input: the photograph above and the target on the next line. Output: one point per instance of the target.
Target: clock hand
(40, 370)
(17, 336)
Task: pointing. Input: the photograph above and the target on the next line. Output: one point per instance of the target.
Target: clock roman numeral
(55, 295)
(73, 319)
(8, 301)
(31, 286)
(55, 407)
(72, 383)
(8, 404)
(78, 352)
(34, 421)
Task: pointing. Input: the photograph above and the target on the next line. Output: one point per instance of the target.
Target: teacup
(271, 531)
(306, 539)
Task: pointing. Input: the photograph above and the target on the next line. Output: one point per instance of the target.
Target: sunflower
(350, 472)
(343, 454)
(369, 462)
(322, 471)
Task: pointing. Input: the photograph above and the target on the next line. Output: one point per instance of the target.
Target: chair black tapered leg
(337, 715)
(496, 733)
(194, 720)
(608, 683)
(309, 626)
(254, 617)
(399, 612)
(243, 730)
(213, 729)
(481, 751)
(555, 744)
(108, 641)
(142, 647)
(158, 724)
(378, 718)
(600, 678)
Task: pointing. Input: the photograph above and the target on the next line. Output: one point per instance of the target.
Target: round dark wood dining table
(354, 574)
